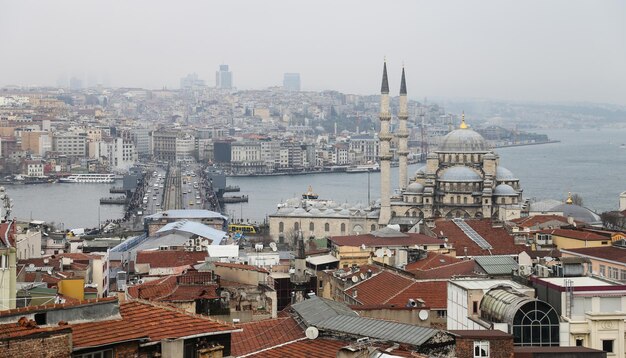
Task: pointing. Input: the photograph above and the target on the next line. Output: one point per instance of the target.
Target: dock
(232, 189)
(235, 199)
(114, 201)
(117, 191)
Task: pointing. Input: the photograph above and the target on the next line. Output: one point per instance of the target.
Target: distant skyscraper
(191, 81)
(76, 83)
(291, 82)
(224, 78)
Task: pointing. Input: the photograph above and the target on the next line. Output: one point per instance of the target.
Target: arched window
(413, 214)
(311, 226)
(296, 226)
(327, 227)
(373, 227)
(343, 227)
(458, 199)
(393, 213)
(281, 227)
(406, 213)
(465, 200)
(414, 199)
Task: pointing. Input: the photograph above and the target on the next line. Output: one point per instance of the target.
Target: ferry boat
(363, 168)
(89, 178)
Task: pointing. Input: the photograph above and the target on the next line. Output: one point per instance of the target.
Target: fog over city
(516, 50)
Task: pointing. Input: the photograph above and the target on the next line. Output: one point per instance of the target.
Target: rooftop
(264, 334)
(170, 258)
(400, 239)
(609, 253)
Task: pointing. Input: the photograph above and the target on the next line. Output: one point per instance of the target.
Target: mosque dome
(415, 188)
(578, 213)
(504, 190)
(463, 140)
(420, 171)
(503, 173)
(460, 173)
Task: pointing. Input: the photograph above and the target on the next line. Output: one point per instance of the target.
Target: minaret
(384, 137)
(403, 134)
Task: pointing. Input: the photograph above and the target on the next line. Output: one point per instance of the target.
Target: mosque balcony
(385, 157)
(384, 116)
(403, 152)
(385, 136)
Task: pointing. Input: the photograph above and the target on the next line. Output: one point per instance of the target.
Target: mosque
(461, 179)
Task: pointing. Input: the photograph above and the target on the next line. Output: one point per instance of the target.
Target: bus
(242, 228)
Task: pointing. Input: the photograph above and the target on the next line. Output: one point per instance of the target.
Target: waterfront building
(142, 141)
(246, 158)
(172, 146)
(70, 144)
(291, 82)
(37, 142)
(224, 78)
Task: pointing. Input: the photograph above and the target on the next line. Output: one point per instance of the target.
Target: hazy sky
(522, 50)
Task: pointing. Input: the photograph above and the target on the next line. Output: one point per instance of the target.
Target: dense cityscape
(411, 234)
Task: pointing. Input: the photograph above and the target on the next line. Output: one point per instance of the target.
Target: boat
(89, 178)
(623, 146)
(363, 168)
(309, 194)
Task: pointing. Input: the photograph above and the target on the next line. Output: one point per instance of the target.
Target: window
(343, 227)
(373, 228)
(281, 227)
(481, 349)
(327, 227)
(602, 270)
(475, 307)
(613, 273)
(607, 345)
(311, 226)
(441, 314)
(579, 342)
(99, 354)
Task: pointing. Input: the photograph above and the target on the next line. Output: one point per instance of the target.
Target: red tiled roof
(462, 268)
(31, 309)
(535, 220)
(241, 267)
(432, 260)
(17, 330)
(144, 320)
(318, 348)
(576, 234)
(379, 288)
(610, 253)
(154, 289)
(498, 238)
(323, 348)
(183, 293)
(369, 240)
(169, 258)
(264, 334)
(434, 294)
(390, 288)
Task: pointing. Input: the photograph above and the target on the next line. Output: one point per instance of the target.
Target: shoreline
(526, 144)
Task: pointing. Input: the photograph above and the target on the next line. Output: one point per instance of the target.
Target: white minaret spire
(384, 137)
(403, 134)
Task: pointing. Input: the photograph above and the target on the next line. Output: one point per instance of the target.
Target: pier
(234, 199)
(114, 201)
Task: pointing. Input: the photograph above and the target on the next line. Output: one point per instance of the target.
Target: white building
(72, 145)
(119, 154)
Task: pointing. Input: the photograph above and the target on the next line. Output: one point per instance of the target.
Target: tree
(577, 199)
(613, 220)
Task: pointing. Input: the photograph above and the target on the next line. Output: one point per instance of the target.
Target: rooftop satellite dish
(379, 253)
(312, 333)
(355, 279)
(362, 275)
(548, 259)
(423, 315)
(273, 246)
(363, 247)
(388, 252)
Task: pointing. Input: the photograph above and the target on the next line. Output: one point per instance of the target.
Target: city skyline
(533, 51)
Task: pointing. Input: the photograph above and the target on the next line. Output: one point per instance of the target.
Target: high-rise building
(224, 78)
(191, 81)
(291, 82)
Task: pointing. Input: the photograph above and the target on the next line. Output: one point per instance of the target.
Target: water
(68, 205)
(587, 162)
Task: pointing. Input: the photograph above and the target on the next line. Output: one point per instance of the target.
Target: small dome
(415, 188)
(460, 173)
(299, 212)
(463, 140)
(284, 210)
(503, 173)
(315, 211)
(421, 171)
(579, 213)
(504, 190)
(329, 212)
(344, 212)
(432, 155)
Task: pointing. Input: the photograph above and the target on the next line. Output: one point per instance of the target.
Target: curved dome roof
(463, 140)
(460, 173)
(420, 171)
(415, 188)
(578, 213)
(504, 190)
(503, 173)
